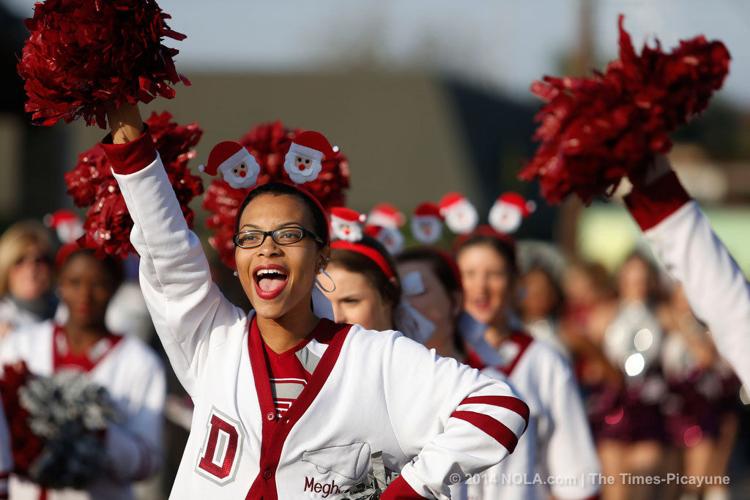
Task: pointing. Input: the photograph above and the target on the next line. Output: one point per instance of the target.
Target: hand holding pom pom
(594, 131)
(92, 185)
(84, 56)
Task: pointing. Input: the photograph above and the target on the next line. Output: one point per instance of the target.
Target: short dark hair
(112, 265)
(355, 262)
(319, 217)
(504, 247)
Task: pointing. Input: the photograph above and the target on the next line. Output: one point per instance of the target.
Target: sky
(500, 44)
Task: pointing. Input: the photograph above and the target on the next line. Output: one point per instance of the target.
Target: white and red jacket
(556, 455)
(134, 377)
(682, 239)
(370, 392)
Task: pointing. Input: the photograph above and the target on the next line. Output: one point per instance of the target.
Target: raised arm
(185, 305)
(682, 239)
(452, 420)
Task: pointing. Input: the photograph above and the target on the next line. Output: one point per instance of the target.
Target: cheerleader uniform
(354, 393)
(690, 407)
(133, 377)
(632, 413)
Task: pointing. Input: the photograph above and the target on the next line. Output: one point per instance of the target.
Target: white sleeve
(682, 239)
(452, 420)
(134, 445)
(713, 282)
(185, 304)
(567, 430)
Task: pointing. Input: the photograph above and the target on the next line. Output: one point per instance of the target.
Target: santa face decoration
(66, 224)
(509, 210)
(303, 166)
(392, 239)
(241, 175)
(237, 166)
(505, 218)
(345, 230)
(346, 224)
(461, 217)
(426, 229)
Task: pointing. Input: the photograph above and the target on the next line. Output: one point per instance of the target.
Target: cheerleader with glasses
(287, 404)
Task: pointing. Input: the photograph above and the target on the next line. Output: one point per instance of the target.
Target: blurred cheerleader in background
(700, 408)
(628, 421)
(557, 423)
(26, 294)
(128, 370)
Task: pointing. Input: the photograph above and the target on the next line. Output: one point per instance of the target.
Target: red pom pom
(593, 131)
(85, 55)
(25, 445)
(268, 143)
(92, 185)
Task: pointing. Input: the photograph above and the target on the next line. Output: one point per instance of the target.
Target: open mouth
(270, 281)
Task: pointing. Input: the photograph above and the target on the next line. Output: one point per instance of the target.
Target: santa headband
(348, 235)
(302, 164)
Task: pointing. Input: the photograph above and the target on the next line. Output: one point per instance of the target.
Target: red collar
(513, 349)
(62, 358)
(275, 431)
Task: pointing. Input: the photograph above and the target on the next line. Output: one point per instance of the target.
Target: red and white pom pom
(235, 163)
(390, 238)
(304, 160)
(346, 224)
(460, 215)
(427, 223)
(508, 211)
(386, 215)
(67, 225)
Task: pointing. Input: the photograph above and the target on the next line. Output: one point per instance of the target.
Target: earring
(236, 274)
(332, 288)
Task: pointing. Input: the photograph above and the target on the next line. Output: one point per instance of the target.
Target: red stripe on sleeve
(489, 426)
(649, 205)
(400, 490)
(507, 402)
(132, 156)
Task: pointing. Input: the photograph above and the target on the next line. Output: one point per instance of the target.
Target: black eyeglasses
(284, 236)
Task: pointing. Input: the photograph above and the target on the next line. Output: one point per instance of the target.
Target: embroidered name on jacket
(325, 489)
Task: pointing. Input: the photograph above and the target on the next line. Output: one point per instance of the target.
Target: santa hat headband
(370, 252)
